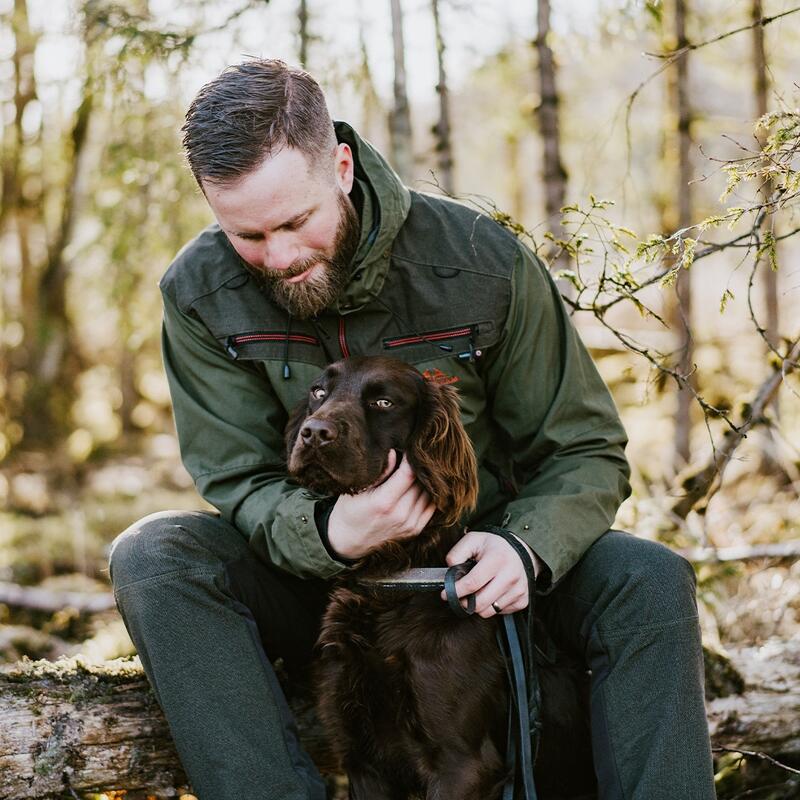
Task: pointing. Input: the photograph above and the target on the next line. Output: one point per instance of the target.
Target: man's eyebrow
(291, 221)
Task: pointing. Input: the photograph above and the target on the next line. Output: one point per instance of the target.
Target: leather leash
(515, 640)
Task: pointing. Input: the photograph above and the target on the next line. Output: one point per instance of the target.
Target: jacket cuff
(322, 513)
(543, 560)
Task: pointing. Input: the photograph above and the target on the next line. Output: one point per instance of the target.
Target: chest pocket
(271, 345)
(464, 342)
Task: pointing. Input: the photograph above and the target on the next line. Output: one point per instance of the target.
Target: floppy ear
(441, 454)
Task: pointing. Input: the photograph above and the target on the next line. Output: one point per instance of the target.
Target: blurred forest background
(647, 149)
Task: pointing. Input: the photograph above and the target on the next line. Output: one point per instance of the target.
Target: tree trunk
(17, 207)
(554, 173)
(49, 356)
(400, 116)
(54, 360)
(761, 87)
(444, 146)
(373, 118)
(302, 19)
(516, 175)
(69, 725)
(681, 317)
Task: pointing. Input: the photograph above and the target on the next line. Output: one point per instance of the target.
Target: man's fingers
(397, 484)
(467, 547)
(422, 511)
(500, 594)
(474, 580)
(391, 463)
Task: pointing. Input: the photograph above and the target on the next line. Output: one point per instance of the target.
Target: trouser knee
(646, 582)
(172, 542)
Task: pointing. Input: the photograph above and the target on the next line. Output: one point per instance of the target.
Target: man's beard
(310, 296)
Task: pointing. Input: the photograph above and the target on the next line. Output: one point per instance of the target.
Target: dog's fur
(414, 699)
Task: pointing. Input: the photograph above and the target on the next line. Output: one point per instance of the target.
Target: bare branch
(755, 754)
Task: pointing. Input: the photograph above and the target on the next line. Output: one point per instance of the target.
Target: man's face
(294, 225)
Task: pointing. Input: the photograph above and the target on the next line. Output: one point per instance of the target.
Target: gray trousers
(208, 617)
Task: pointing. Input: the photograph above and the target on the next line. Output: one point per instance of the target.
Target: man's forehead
(280, 187)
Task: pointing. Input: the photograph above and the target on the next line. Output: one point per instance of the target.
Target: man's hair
(250, 112)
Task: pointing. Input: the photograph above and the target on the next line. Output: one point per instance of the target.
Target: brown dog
(413, 698)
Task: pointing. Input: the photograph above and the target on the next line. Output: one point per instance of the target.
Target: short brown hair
(250, 111)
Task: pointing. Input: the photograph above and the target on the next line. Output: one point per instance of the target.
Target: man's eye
(293, 226)
(318, 393)
(384, 403)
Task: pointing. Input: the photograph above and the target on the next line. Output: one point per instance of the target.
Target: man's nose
(279, 253)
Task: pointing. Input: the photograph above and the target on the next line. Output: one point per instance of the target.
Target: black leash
(515, 640)
(517, 644)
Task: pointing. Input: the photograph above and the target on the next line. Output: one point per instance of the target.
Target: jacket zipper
(470, 354)
(428, 337)
(247, 338)
(343, 340)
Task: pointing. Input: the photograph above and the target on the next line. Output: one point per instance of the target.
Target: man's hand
(498, 578)
(396, 507)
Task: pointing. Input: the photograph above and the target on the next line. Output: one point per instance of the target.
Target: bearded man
(319, 253)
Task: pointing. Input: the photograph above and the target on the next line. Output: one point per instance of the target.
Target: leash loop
(450, 577)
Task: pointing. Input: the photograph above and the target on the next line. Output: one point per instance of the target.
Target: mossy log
(69, 727)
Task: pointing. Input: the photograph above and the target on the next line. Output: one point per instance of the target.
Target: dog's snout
(318, 431)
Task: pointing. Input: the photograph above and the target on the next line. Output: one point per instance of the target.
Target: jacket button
(358, 275)
(304, 519)
(526, 527)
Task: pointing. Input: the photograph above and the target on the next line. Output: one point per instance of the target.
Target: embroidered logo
(437, 376)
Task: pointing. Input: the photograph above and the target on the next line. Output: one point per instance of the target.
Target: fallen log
(766, 716)
(50, 600)
(76, 726)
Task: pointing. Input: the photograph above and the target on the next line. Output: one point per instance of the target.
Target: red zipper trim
(246, 338)
(342, 340)
(428, 337)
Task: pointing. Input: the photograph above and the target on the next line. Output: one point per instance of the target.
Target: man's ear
(442, 456)
(344, 167)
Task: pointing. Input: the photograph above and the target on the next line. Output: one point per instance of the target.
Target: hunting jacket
(441, 286)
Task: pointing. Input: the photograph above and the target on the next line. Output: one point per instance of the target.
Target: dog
(413, 699)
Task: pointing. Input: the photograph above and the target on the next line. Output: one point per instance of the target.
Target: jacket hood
(389, 201)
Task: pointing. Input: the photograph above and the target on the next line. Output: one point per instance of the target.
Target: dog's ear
(441, 454)
(296, 419)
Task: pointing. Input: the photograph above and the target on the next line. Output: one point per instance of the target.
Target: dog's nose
(318, 431)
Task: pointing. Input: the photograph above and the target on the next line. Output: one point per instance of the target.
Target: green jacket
(440, 286)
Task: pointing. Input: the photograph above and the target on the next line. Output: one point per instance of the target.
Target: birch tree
(400, 115)
(441, 130)
(553, 171)
(302, 27)
(680, 137)
(761, 85)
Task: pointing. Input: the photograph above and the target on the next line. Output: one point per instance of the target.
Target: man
(319, 253)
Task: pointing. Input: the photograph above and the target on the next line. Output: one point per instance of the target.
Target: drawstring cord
(287, 372)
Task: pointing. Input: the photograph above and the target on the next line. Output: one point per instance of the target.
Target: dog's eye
(384, 403)
(318, 393)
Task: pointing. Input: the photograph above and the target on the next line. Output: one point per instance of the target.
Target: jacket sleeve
(560, 424)
(230, 428)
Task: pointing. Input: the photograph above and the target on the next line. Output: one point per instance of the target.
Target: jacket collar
(384, 210)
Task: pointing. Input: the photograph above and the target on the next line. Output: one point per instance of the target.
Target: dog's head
(338, 440)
